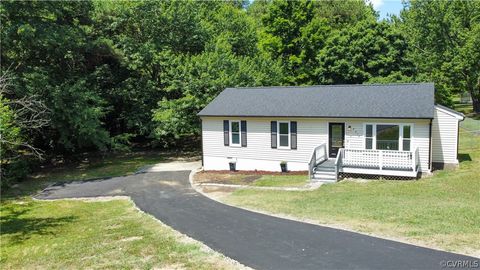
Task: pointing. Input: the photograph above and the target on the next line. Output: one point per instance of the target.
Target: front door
(336, 135)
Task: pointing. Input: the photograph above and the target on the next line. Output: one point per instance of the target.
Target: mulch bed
(237, 177)
(256, 172)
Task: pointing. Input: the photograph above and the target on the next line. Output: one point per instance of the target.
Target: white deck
(373, 162)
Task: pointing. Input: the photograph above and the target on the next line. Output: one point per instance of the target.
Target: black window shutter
(274, 134)
(293, 135)
(226, 140)
(243, 125)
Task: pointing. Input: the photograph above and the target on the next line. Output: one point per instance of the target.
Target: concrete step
(324, 180)
(324, 176)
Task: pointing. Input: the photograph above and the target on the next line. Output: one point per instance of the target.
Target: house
(328, 130)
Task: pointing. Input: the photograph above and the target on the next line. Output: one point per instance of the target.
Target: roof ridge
(328, 85)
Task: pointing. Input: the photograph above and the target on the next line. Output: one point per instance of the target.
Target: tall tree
(444, 36)
(294, 31)
(369, 51)
(48, 48)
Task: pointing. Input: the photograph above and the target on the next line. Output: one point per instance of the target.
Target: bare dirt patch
(216, 192)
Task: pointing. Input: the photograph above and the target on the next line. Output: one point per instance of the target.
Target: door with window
(336, 138)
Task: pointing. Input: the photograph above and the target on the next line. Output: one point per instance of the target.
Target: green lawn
(76, 234)
(471, 124)
(94, 168)
(440, 211)
(281, 181)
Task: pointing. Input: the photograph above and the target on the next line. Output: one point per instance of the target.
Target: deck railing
(319, 154)
(380, 159)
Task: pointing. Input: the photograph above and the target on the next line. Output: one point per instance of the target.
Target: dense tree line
(113, 73)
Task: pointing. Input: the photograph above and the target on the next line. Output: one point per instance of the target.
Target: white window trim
(374, 137)
(400, 137)
(288, 135)
(239, 144)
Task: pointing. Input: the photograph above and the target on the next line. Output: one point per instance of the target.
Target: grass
(281, 181)
(92, 234)
(439, 211)
(93, 168)
(111, 234)
(471, 124)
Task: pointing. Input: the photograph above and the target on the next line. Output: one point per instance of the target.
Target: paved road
(256, 240)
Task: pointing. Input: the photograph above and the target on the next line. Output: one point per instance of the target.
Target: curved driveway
(255, 240)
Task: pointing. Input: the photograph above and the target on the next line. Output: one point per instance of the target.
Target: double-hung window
(369, 136)
(235, 133)
(406, 135)
(283, 134)
(388, 136)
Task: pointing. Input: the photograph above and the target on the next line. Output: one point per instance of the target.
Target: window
(406, 138)
(235, 133)
(368, 136)
(283, 134)
(388, 137)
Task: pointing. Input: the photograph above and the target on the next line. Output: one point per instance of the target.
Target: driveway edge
(176, 233)
(198, 189)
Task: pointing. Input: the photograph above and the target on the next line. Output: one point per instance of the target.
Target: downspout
(430, 146)
(458, 135)
(201, 138)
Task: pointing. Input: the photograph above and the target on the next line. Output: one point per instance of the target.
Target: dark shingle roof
(408, 100)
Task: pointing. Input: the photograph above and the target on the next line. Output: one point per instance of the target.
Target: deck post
(412, 155)
(380, 159)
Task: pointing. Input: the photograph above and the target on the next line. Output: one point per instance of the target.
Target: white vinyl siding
(311, 132)
(420, 138)
(444, 137)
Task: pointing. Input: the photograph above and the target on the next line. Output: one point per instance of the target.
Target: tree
(295, 31)
(369, 51)
(444, 36)
(200, 79)
(18, 119)
(48, 46)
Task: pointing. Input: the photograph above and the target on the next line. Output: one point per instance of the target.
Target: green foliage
(117, 73)
(295, 31)
(202, 78)
(9, 131)
(369, 51)
(444, 38)
(48, 45)
(12, 166)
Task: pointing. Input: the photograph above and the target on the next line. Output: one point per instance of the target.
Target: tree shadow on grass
(18, 227)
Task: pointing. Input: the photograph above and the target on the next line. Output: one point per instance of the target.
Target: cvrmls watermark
(460, 264)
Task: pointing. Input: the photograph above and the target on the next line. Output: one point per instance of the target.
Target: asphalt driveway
(256, 240)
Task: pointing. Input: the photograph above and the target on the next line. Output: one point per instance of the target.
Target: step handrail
(338, 162)
(314, 159)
